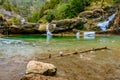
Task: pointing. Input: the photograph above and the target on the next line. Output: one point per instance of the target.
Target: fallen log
(74, 53)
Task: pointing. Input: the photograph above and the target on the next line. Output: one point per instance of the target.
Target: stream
(16, 51)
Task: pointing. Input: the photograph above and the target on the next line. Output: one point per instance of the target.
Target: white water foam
(104, 25)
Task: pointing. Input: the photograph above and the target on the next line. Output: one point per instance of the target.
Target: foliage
(52, 4)
(50, 16)
(80, 27)
(117, 1)
(15, 20)
(61, 11)
(7, 6)
(76, 6)
(68, 10)
(34, 17)
(2, 1)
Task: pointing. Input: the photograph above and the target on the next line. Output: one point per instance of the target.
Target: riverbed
(16, 51)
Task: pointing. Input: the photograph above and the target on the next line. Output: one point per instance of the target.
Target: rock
(91, 25)
(86, 14)
(67, 24)
(19, 29)
(39, 77)
(51, 27)
(92, 14)
(41, 68)
(116, 23)
(110, 9)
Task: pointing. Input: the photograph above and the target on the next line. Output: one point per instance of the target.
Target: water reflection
(78, 35)
(48, 37)
(89, 35)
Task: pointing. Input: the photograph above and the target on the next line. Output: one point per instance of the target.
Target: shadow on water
(16, 51)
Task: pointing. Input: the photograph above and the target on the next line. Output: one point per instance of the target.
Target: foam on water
(16, 47)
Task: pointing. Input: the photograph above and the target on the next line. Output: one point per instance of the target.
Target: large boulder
(19, 29)
(43, 27)
(68, 24)
(41, 68)
(92, 14)
(39, 77)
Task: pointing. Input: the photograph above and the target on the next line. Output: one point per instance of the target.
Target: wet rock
(39, 77)
(41, 68)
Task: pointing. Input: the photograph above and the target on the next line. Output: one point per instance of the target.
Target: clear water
(28, 45)
(99, 65)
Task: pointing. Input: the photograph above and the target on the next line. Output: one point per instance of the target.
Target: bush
(80, 27)
(34, 17)
(50, 16)
(15, 20)
(76, 6)
(68, 10)
(52, 4)
(7, 6)
(61, 11)
(117, 1)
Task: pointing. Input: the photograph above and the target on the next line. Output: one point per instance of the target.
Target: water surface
(16, 51)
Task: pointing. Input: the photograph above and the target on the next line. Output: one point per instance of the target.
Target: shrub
(52, 4)
(50, 16)
(15, 20)
(34, 17)
(68, 10)
(7, 6)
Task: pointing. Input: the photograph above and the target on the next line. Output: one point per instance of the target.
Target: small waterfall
(48, 34)
(104, 25)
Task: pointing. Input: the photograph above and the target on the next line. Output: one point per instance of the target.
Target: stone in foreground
(38, 67)
(39, 77)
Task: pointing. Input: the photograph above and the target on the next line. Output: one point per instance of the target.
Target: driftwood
(74, 53)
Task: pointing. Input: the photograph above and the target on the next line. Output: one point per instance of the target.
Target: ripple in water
(17, 47)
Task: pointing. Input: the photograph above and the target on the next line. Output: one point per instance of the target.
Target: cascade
(103, 25)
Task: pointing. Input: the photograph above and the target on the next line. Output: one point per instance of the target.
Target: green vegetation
(45, 11)
(60, 9)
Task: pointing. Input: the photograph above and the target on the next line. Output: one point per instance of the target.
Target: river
(16, 51)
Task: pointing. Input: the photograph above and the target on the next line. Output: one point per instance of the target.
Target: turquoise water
(31, 44)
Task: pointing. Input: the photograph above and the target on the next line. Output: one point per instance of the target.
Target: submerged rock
(39, 77)
(41, 68)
